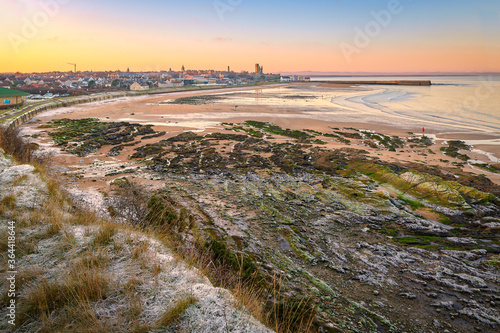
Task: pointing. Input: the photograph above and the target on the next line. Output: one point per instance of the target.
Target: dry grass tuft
(13, 144)
(288, 315)
(19, 180)
(68, 238)
(135, 305)
(24, 276)
(172, 314)
(26, 246)
(132, 284)
(156, 269)
(57, 196)
(42, 298)
(8, 203)
(53, 229)
(82, 319)
(80, 286)
(104, 235)
(82, 216)
(139, 249)
(4, 241)
(94, 258)
(236, 273)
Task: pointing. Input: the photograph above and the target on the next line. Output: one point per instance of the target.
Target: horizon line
(305, 72)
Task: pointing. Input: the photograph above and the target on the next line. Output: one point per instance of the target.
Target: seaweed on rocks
(85, 136)
(454, 148)
(184, 137)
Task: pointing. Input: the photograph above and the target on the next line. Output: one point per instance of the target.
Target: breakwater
(391, 82)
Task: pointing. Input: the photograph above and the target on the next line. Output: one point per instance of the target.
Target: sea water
(468, 104)
(472, 101)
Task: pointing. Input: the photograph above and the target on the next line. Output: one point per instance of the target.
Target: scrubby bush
(129, 202)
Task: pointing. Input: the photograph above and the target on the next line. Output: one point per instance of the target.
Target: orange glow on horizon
(100, 41)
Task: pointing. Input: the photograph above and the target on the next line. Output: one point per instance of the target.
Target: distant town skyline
(368, 36)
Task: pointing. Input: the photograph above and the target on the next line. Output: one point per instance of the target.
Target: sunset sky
(283, 36)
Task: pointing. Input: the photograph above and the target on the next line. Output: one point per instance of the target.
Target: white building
(136, 86)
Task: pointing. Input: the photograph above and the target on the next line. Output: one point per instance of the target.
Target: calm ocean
(469, 100)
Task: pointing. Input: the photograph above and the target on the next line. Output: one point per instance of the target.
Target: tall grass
(80, 286)
(104, 235)
(21, 149)
(175, 312)
(262, 297)
(13, 144)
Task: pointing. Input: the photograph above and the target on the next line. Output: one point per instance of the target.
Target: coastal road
(20, 111)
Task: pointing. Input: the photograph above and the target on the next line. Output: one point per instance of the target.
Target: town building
(11, 97)
(136, 86)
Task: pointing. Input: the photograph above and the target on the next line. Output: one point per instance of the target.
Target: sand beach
(313, 108)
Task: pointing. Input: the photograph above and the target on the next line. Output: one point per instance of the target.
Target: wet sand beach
(322, 114)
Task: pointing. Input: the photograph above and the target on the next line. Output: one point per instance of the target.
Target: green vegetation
(69, 129)
(390, 231)
(433, 242)
(493, 261)
(414, 240)
(84, 136)
(197, 100)
(225, 136)
(389, 142)
(240, 263)
(249, 131)
(274, 129)
(338, 137)
(295, 243)
(423, 141)
(487, 167)
(453, 150)
(410, 202)
(299, 97)
(163, 215)
(424, 186)
(350, 135)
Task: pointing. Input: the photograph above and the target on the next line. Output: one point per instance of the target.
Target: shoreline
(207, 118)
(385, 83)
(344, 108)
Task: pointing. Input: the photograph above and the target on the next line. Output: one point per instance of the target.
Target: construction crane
(73, 65)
